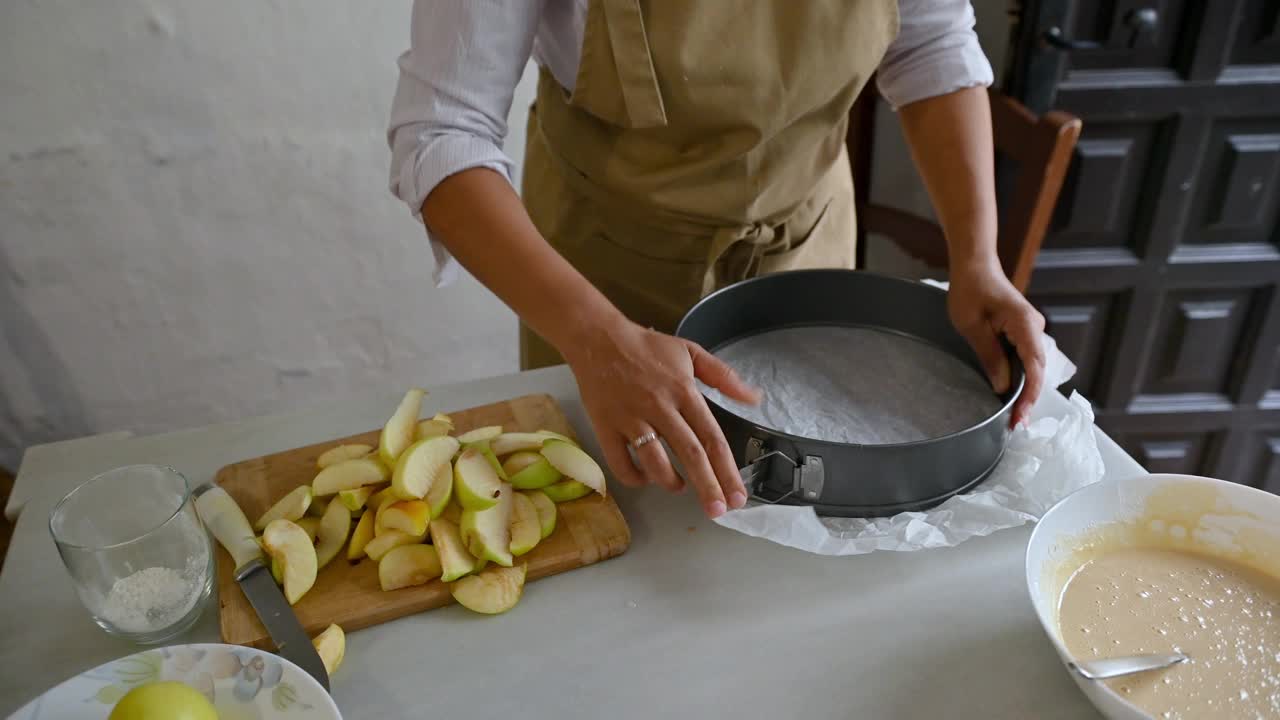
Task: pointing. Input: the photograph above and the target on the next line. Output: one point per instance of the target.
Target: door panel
(1160, 273)
(1101, 203)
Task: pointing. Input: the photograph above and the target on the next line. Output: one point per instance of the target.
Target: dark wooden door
(1160, 273)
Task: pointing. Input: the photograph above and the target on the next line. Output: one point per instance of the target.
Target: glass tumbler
(136, 550)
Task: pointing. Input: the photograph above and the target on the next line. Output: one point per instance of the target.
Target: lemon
(164, 701)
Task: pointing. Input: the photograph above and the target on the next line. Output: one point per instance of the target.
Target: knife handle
(229, 525)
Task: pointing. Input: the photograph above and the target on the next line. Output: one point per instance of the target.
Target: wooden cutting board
(588, 530)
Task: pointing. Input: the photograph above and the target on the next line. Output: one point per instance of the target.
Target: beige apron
(703, 144)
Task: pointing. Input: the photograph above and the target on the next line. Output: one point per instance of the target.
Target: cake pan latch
(807, 476)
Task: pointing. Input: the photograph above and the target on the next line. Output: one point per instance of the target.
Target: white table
(693, 621)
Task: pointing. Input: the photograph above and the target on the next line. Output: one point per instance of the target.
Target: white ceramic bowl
(243, 683)
(1228, 509)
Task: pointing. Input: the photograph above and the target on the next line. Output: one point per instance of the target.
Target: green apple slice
(435, 427)
(548, 434)
(419, 464)
(331, 646)
(397, 434)
(290, 507)
(530, 471)
(388, 541)
(507, 443)
(441, 490)
(353, 500)
(318, 506)
(335, 526)
(476, 484)
(350, 474)
(492, 591)
(575, 463)
(479, 434)
(525, 528)
(520, 460)
(546, 511)
(566, 490)
(407, 566)
(454, 557)
(452, 512)
(335, 455)
(408, 516)
(287, 542)
(487, 533)
(310, 526)
(387, 501)
(361, 536)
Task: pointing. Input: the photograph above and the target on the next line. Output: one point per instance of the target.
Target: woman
(676, 147)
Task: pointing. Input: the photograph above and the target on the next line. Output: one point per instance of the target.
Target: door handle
(1141, 21)
(1054, 38)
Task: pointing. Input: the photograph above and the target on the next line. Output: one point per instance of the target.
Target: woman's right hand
(635, 381)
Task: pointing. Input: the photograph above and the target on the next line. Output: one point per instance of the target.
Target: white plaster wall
(194, 221)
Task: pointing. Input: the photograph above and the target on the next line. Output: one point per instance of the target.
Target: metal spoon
(1115, 667)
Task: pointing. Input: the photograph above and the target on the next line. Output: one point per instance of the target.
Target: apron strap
(636, 76)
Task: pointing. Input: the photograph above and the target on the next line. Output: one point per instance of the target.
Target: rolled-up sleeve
(936, 52)
(455, 89)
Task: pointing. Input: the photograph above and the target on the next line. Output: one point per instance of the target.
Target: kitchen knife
(228, 524)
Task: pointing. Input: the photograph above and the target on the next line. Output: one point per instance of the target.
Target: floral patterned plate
(243, 683)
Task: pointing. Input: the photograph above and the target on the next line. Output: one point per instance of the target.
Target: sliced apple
(361, 536)
(557, 436)
(349, 475)
(375, 500)
(487, 533)
(492, 591)
(397, 434)
(335, 526)
(530, 471)
(483, 447)
(435, 427)
(354, 499)
(318, 506)
(407, 566)
(387, 501)
(277, 571)
(441, 491)
(452, 513)
(474, 480)
(310, 525)
(335, 455)
(520, 460)
(288, 542)
(384, 543)
(488, 432)
(419, 465)
(331, 646)
(290, 507)
(574, 462)
(525, 529)
(566, 490)
(507, 443)
(455, 560)
(408, 516)
(546, 511)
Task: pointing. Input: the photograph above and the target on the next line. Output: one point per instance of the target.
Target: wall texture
(194, 221)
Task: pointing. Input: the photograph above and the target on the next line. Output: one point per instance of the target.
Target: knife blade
(227, 522)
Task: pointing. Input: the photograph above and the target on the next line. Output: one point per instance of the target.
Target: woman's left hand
(984, 305)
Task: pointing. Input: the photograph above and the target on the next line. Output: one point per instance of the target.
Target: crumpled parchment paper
(1044, 462)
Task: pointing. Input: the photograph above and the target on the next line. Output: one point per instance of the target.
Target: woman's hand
(635, 381)
(984, 305)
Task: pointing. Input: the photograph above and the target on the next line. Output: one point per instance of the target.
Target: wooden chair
(1037, 149)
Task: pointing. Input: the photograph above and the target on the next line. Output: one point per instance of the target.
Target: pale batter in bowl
(1225, 616)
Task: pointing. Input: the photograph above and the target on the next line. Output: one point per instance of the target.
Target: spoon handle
(1115, 667)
